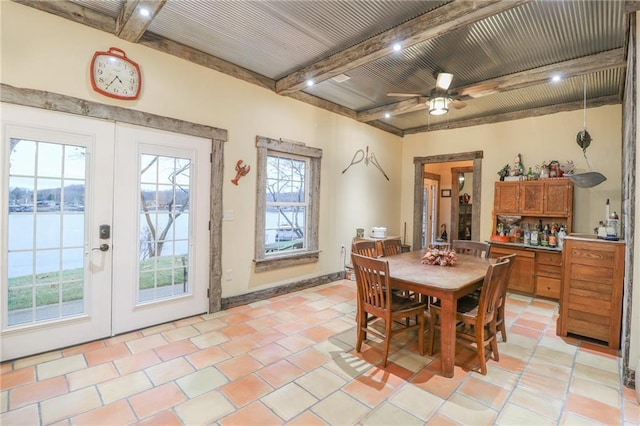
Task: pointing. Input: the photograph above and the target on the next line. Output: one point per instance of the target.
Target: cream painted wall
(44, 52)
(550, 137)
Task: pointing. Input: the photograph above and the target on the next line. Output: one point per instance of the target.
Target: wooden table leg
(448, 308)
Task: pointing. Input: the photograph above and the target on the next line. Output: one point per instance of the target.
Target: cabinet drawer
(551, 271)
(549, 258)
(548, 287)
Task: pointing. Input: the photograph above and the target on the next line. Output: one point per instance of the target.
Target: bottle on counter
(544, 239)
(527, 231)
(553, 236)
(561, 234)
(535, 235)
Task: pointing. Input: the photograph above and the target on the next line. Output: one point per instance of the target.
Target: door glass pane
(164, 227)
(45, 242)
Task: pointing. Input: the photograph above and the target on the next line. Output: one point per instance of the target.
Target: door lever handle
(103, 247)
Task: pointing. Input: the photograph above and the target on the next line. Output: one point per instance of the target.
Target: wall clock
(114, 75)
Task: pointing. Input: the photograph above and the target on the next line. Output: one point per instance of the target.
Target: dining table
(447, 283)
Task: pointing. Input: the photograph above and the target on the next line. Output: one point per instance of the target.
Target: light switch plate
(227, 215)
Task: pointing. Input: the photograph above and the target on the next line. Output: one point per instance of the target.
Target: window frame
(265, 147)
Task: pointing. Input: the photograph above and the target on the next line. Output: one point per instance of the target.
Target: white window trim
(265, 146)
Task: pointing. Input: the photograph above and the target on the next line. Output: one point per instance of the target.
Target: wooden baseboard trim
(244, 299)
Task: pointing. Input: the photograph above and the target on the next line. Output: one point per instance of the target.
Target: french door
(69, 274)
(161, 227)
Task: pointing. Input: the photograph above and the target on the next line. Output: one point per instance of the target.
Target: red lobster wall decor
(242, 170)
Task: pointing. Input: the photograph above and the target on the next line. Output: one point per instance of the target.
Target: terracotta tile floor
(291, 360)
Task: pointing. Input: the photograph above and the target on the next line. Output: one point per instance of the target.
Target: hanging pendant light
(583, 139)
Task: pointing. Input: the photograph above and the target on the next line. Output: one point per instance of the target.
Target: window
(288, 204)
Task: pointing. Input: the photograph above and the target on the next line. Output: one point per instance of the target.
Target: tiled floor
(291, 360)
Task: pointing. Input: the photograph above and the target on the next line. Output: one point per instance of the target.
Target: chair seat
(402, 303)
(466, 304)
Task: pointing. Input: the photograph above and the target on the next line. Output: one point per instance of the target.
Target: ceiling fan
(439, 99)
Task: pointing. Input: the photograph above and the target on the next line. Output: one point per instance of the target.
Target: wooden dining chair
(365, 248)
(376, 302)
(500, 314)
(474, 248)
(391, 247)
(477, 324)
(474, 298)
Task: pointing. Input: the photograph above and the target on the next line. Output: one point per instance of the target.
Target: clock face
(114, 75)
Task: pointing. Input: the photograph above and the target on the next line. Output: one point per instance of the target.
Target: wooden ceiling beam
(396, 108)
(131, 24)
(517, 115)
(430, 25)
(572, 68)
(74, 12)
(631, 6)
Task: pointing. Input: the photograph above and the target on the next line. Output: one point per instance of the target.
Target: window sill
(276, 262)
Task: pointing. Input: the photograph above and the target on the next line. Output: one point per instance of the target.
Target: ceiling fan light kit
(438, 105)
(440, 98)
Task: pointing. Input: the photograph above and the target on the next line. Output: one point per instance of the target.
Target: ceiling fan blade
(457, 104)
(479, 90)
(403, 95)
(444, 79)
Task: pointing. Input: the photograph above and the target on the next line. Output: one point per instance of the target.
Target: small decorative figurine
(518, 168)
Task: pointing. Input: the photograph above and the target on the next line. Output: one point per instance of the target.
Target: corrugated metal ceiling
(276, 38)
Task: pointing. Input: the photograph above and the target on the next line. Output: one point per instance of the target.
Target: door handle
(103, 247)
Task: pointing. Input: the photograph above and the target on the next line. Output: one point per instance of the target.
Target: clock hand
(111, 82)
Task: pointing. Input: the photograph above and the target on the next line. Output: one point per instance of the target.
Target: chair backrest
(494, 283)
(391, 247)
(365, 248)
(503, 291)
(372, 280)
(474, 248)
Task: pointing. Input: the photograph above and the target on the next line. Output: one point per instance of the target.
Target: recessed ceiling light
(310, 83)
(387, 115)
(397, 47)
(144, 12)
(556, 78)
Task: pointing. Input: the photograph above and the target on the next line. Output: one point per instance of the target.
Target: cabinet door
(532, 198)
(558, 197)
(522, 273)
(506, 197)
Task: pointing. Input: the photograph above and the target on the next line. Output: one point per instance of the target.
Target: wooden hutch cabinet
(550, 197)
(591, 294)
(536, 271)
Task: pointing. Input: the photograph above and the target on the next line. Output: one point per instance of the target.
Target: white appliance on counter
(378, 232)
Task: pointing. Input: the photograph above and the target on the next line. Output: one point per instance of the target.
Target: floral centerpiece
(436, 256)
